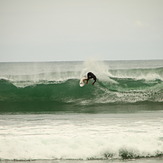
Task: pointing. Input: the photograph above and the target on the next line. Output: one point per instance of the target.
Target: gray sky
(61, 30)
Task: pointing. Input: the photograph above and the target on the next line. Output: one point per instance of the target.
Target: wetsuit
(90, 75)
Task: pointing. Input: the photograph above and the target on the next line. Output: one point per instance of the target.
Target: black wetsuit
(90, 75)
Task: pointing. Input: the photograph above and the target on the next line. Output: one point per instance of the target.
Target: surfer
(90, 75)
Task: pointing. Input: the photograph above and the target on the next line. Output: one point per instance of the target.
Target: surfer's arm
(85, 81)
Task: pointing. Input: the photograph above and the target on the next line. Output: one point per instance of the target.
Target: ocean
(45, 116)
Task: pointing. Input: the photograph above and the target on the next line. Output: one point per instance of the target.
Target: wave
(115, 90)
(58, 84)
(139, 73)
(80, 148)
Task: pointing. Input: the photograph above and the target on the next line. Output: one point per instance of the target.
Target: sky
(72, 30)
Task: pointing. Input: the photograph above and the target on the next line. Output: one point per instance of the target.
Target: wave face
(60, 84)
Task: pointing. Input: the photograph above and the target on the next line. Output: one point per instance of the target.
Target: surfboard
(82, 82)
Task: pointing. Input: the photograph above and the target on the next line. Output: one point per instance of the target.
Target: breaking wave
(115, 90)
(113, 86)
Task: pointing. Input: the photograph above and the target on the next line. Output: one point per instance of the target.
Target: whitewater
(46, 115)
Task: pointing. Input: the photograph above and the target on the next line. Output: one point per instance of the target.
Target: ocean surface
(46, 116)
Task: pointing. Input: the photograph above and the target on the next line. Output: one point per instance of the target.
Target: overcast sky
(65, 30)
